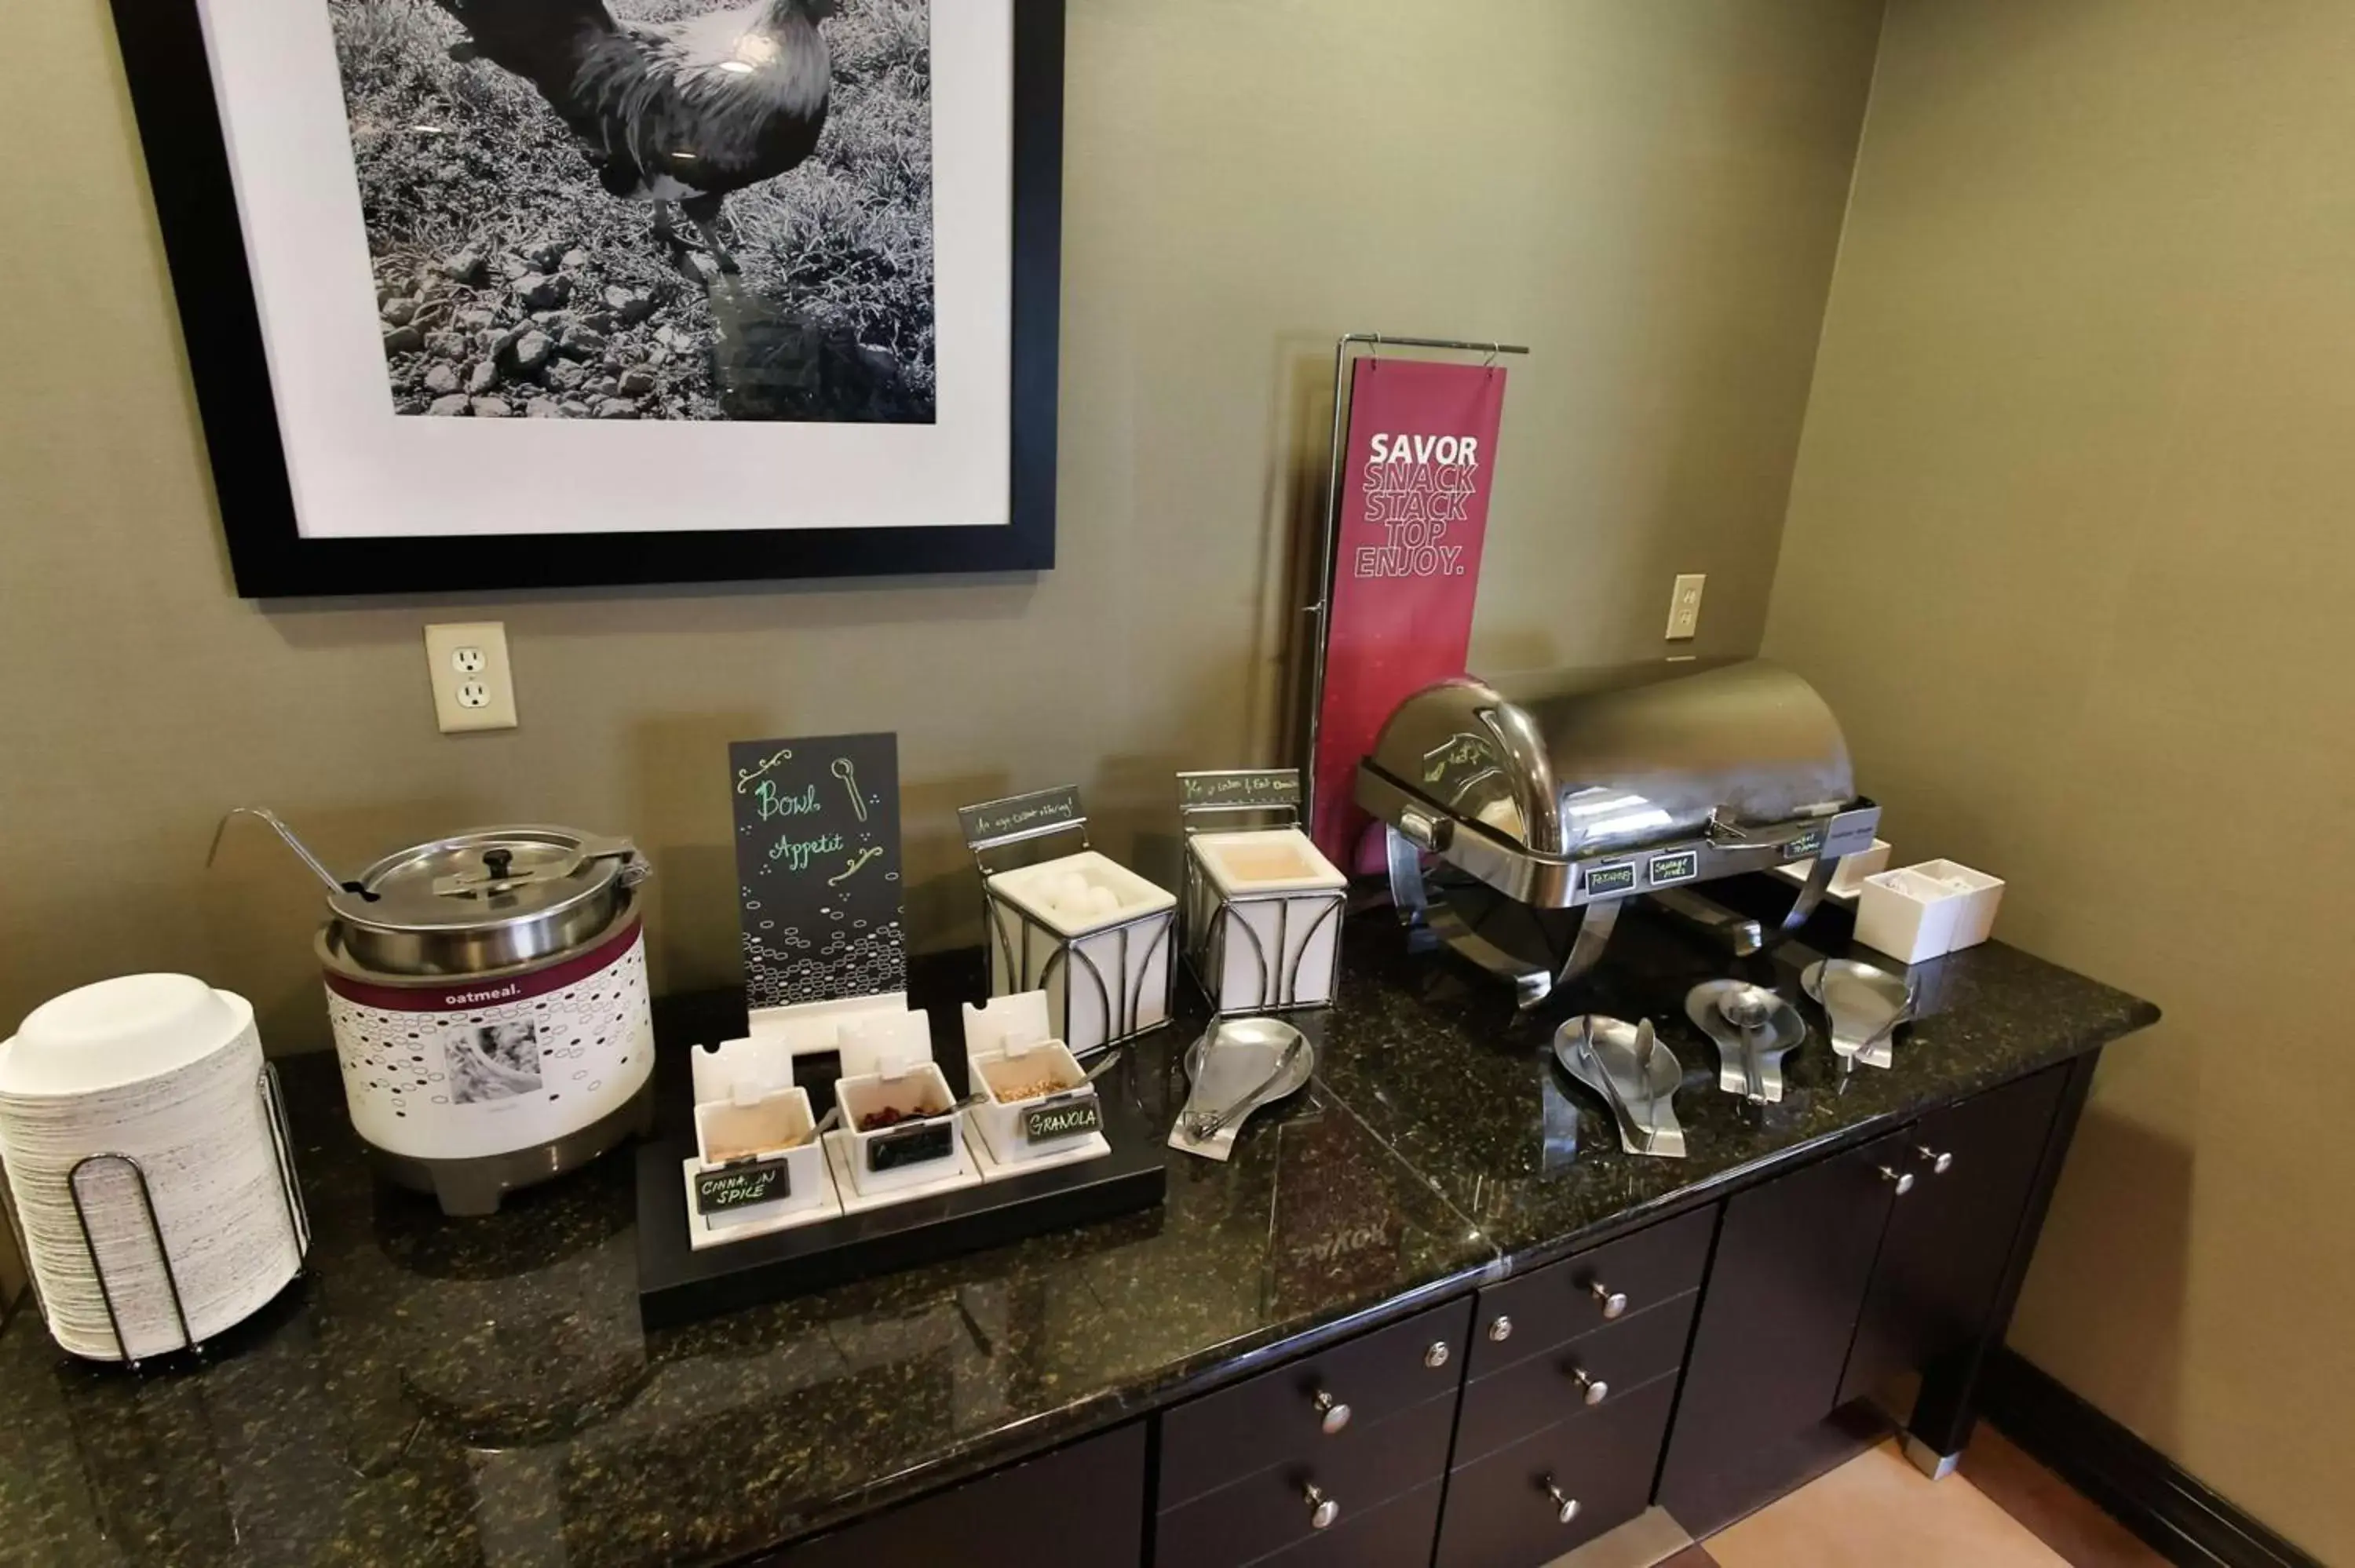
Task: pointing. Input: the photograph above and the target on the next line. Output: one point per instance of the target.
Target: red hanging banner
(1414, 514)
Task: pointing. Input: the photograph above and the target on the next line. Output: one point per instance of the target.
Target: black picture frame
(171, 94)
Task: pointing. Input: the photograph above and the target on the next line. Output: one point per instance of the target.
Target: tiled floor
(2003, 1510)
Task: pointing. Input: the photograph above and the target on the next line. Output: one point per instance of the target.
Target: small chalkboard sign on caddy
(829, 1143)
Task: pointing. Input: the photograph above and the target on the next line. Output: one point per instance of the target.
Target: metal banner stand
(1211, 917)
(298, 1220)
(1318, 614)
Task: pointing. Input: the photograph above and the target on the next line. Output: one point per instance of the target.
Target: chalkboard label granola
(1047, 1124)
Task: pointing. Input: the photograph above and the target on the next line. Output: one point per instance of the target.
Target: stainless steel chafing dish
(1577, 792)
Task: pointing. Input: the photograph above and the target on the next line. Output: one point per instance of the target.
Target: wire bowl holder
(1028, 954)
(289, 1192)
(1218, 922)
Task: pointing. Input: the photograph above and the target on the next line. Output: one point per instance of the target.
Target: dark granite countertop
(479, 1391)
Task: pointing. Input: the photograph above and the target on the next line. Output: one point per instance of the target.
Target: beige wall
(2069, 549)
(1649, 194)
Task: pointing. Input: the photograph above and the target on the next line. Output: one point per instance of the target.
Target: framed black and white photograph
(498, 293)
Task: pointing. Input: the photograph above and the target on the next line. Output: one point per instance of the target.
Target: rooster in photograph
(681, 111)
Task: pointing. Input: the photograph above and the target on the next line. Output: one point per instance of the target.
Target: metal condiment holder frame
(1273, 797)
(298, 1217)
(1042, 818)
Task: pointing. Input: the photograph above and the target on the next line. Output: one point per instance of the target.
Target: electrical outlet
(1684, 607)
(473, 685)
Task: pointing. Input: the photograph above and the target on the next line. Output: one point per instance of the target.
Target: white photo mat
(360, 471)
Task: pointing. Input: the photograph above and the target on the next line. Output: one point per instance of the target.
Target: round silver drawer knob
(1592, 1389)
(1612, 1302)
(1331, 1414)
(1565, 1507)
(1939, 1163)
(1501, 1329)
(1322, 1511)
(1435, 1355)
(1900, 1180)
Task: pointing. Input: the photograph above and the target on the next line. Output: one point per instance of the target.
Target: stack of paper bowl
(150, 1082)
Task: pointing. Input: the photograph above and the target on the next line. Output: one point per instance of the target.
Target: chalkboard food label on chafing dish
(1664, 869)
(1604, 879)
(1071, 1119)
(895, 1151)
(742, 1186)
(1807, 846)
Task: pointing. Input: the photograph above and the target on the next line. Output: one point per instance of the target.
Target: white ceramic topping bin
(755, 1138)
(1922, 912)
(1980, 894)
(1095, 937)
(1263, 919)
(886, 1064)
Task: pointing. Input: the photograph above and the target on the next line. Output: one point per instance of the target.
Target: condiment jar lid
(484, 900)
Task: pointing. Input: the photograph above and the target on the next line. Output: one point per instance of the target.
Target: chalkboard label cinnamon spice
(742, 1186)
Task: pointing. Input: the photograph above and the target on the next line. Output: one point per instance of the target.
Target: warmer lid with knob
(473, 904)
(483, 900)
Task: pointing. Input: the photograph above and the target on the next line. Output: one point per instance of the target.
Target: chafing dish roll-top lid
(1565, 766)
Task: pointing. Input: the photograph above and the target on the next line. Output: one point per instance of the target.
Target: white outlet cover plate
(1684, 607)
(471, 653)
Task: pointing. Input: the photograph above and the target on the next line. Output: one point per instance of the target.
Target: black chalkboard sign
(817, 867)
(742, 1186)
(1070, 1119)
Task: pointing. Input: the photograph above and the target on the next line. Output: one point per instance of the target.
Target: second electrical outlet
(1684, 607)
(473, 685)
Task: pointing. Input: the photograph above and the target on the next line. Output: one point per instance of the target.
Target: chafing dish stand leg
(1532, 981)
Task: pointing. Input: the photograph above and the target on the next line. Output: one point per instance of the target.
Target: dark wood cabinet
(1287, 1416)
(1793, 1264)
(1354, 1473)
(1877, 1273)
(1586, 1373)
(1589, 1290)
(1081, 1507)
(1511, 1510)
(1942, 1260)
(1396, 1535)
(1739, 1349)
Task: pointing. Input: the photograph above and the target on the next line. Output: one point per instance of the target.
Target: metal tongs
(1634, 1073)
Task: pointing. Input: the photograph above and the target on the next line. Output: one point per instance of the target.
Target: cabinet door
(1794, 1262)
(1081, 1506)
(1950, 1238)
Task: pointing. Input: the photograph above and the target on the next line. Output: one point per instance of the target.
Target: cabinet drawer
(1533, 1394)
(1088, 1500)
(1563, 1300)
(1265, 1512)
(1501, 1514)
(1274, 1416)
(1396, 1535)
